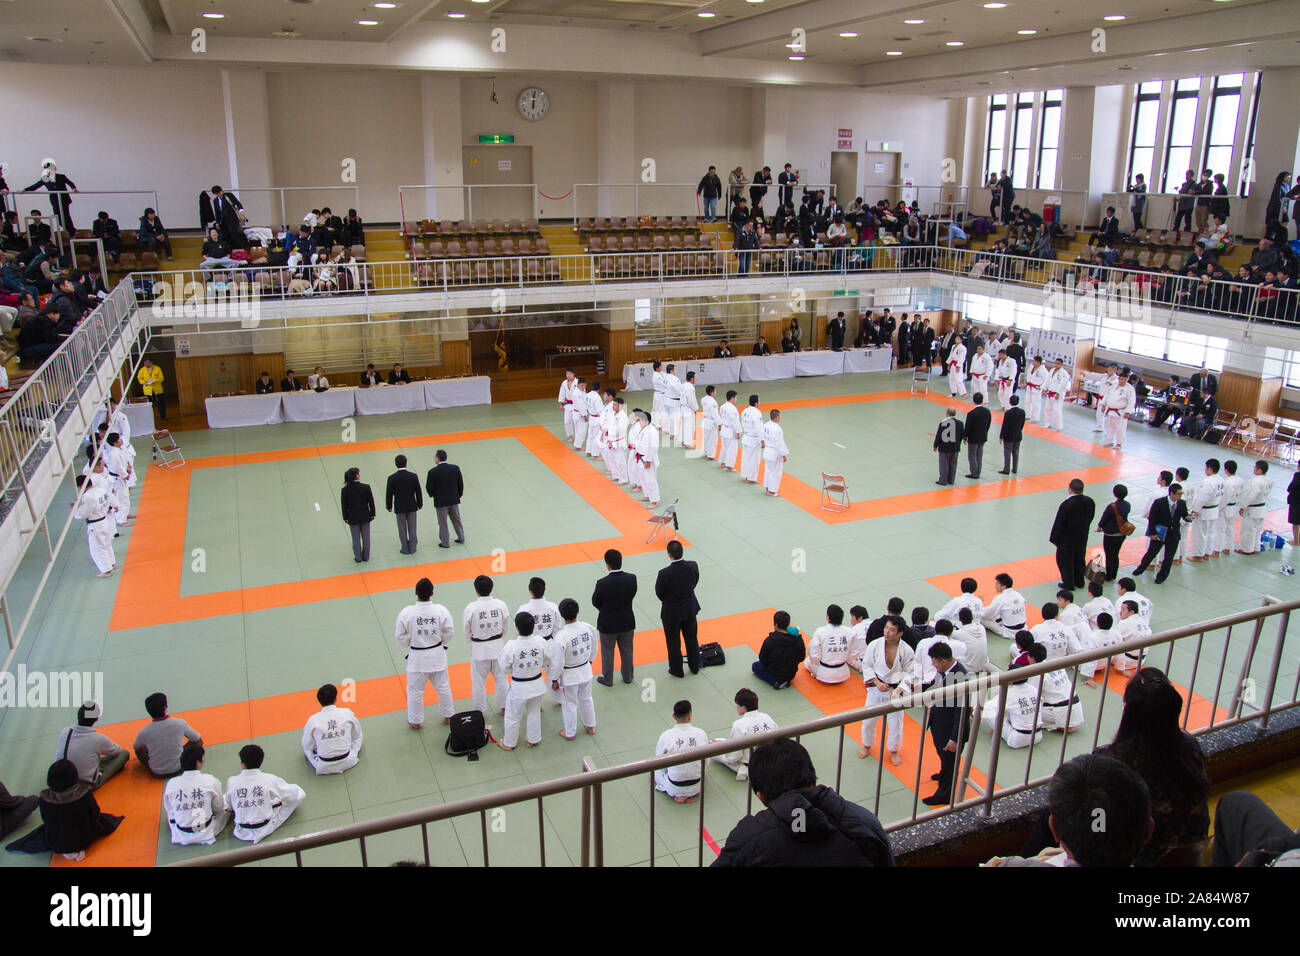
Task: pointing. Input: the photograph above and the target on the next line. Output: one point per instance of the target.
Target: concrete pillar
(1277, 143)
(440, 107)
(616, 159)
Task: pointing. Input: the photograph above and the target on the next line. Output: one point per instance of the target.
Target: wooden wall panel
(1248, 395)
(192, 375)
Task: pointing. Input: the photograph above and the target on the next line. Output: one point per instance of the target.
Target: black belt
(484, 640)
(1260, 504)
(332, 759)
(431, 647)
(518, 679)
(890, 686)
(569, 667)
(1062, 703)
(683, 783)
(1020, 625)
(191, 829)
(840, 664)
(254, 826)
(115, 474)
(95, 520)
(1029, 733)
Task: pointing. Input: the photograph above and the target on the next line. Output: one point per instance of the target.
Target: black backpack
(468, 734)
(711, 655)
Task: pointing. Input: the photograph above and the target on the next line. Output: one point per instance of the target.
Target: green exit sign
(496, 137)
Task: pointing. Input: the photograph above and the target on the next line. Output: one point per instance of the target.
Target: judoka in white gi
(566, 400)
(1058, 384)
(885, 665)
(859, 621)
(981, 370)
(546, 621)
(261, 802)
(1098, 605)
(1020, 720)
(690, 405)
(331, 740)
(1130, 627)
(524, 659)
(657, 402)
(1058, 639)
(95, 508)
(118, 466)
(577, 412)
(1072, 616)
(730, 431)
(595, 408)
(711, 423)
(1060, 708)
(572, 651)
(1035, 380)
(967, 598)
(633, 433)
(615, 441)
(647, 460)
(972, 636)
(1231, 507)
(1127, 589)
(424, 630)
(775, 453)
(923, 670)
(118, 422)
(672, 420)
(195, 806)
(681, 782)
(1118, 403)
(1102, 636)
(484, 621)
(1004, 374)
(957, 369)
(1254, 503)
(751, 440)
(751, 721)
(1111, 381)
(828, 651)
(602, 424)
(1005, 614)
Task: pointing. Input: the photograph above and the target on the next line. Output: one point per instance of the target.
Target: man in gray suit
(446, 486)
(404, 498)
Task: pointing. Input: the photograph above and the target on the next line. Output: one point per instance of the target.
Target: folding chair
(835, 493)
(920, 381)
(166, 450)
(663, 520)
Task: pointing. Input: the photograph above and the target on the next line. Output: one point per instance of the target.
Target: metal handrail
(590, 778)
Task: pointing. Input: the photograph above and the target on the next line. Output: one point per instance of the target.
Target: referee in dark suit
(1070, 535)
(403, 493)
(615, 620)
(950, 720)
(675, 589)
(446, 486)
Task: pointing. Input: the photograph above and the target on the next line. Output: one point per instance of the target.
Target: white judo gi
(95, 508)
(572, 650)
(828, 653)
(684, 779)
(1072, 616)
(1058, 384)
(1254, 504)
(690, 405)
(566, 405)
(1098, 640)
(730, 431)
(1057, 638)
(595, 408)
(578, 413)
(484, 621)
(957, 370)
(424, 630)
(261, 803)
(975, 639)
(924, 672)
(118, 467)
(633, 433)
(875, 666)
(1145, 607)
(752, 722)
(1207, 499)
(657, 401)
(331, 740)
(950, 610)
(1021, 719)
(1098, 606)
(546, 620)
(1117, 405)
(524, 659)
(672, 421)
(647, 460)
(195, 807)
(615, 444)
(1005, 378)
(751, 442)
(1228, 511)
(1005, 614)
(118, 422)
(1128, 629)
(981, 370)
(1035, 379)
(1060, 710)
(774, 455)
(709, 427)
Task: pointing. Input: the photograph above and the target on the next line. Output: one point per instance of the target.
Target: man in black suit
(1202, 417)
(950, 720)
(1016, 352)
(947, 442)
(289, 383)
(403, 493)
(761, 347)
(1205, 381)
(225, 216)
(369, 377)
(265, 386)
(836, 329)
(675, 589)
(1164, 528)
(722, 350)
(358, 504)
(615, 621)
(1070, 535)
(446, 487)
(399, 375)
(976, 434)
(1013, 430)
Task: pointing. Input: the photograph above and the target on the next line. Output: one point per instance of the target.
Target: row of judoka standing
(600, 426)
(104, 488)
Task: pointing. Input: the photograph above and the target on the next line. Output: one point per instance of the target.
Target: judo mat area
(237, 595)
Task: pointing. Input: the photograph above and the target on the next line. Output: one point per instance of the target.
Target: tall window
(1021, 140)
(997, 134)
(1182, 129)
(1248, 160)
(1142, 153)
(1225, 104)
(1049, 140)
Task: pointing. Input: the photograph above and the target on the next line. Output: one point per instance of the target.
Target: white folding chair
(921, 380)
(664, 520)
(835, 493)
(167, 451)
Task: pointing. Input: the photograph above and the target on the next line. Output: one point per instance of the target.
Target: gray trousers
(947, 467)
(1011, 456)
(624, 641)
(360, 541)
(975, 457)
(454, 512)
(406, 531)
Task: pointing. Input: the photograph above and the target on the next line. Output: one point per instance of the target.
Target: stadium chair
(516, 227)
(149, 260)
(542, 247)
(585, 225)
(455, 250)
(473, 249)
(532, 227)
(552, 268)
(525, 246)
(83, 261)
(498, 227)
(126, 262)
(507, 247)
(490, 248)
(643, 242)
(435, 250)
(628, 244)
(417, 249)
(482, 228)
(674, 242)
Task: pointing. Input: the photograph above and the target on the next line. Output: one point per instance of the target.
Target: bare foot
(413, 726)
(895, 759)
(684, 799)
(530, 745)
(864, 752)
(1091, 683)
(446, 720)
(503, 746)
(591, 730)
(566, 737)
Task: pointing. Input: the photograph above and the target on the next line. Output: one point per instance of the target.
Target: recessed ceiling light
(1115, 16)
(848, 34)
(456, 16)
(913, 22)
(367, 23)
(706, 14)
(214, 16)
(893, 53)
(1026, 33)
(385, 6)
(796, 57)
(955, 43)
(994, 6)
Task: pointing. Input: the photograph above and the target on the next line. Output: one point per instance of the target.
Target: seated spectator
(153, 234)
(354, 233)
(1107, 233)
(832, 831)
(369, 377)
(261, 801)
(787, 342)
(95, 756)
(1248, 833)
(921, 628)
(264, 386)
(38, 230)
(1101, 635)
(42, 268)
(216, 252)
(751, 721)
(974, 638)
(829, 650)
(1263, 258)
(159, 743)
(316, 381)
(681, 782)
(38, 338)
(399, 375)
(193, 802)
(302, 243)
(761, 347)
(12, 238)
(332, 738)
(722, 350)
(70, 818)
(90, 287)
(1081, 788)
(106, 230)
(64, 301)
(780, 654)
(1062, 709)
(11, 280)
(290, 382)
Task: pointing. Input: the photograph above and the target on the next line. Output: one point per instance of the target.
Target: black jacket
(978, 421)
(445, 485)
(369, 378)
(286, 385)
(835, 832)
(1108, 523)
(612, 600)
(358, 503)
(675, 588)
(941, 443)
(403, 492)
(762, 349)
(264, 388)
(781, 654)
(1073, 520)
(835, 331)
(1160, 513)
(949, 718)
(1013, 424)
(403, 376)
(710, 186)
(71, 820)
(227, 219)
(1211, 383)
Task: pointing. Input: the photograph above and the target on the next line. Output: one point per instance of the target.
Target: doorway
(880, 170)
(499, 167)
(844, 176)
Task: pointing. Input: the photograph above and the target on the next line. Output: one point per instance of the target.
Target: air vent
(303, 3)
(901, 39)
(45, 39)
(286, 34)
(936, 33)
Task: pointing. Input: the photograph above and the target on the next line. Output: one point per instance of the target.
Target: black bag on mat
(468, 734)
(711, 655)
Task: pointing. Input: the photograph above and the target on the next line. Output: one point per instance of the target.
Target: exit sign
(496, 137)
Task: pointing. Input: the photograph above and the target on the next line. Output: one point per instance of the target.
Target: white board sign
(503, 165)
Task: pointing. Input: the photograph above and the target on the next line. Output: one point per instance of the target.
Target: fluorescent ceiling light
(706, 14)
(214, 16)
(1026, 33)
(796, 57)
(386, 6)
(1115, 16)
(994, 6)
(367, 23)
(848, 34)
(955, 43)
(456, 16)
(913, 22)
(893, 53)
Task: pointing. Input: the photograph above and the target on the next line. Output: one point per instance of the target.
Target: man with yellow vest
(151, 385)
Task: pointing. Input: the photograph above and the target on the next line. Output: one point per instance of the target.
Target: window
(1142, 152)
(695, 320)
(1021, 140)
(1049, 140)
(1182, 129)
(997, 135)
(1248, 163)
(1225, 104)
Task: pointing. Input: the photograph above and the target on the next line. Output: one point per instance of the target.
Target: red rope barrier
(555, 198)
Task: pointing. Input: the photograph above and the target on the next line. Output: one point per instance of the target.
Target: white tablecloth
(820, 362)
(234, 410)
(767, 368)
(454, 392)
(383, 399)
(868, 360)
(707, 372)
(325, 406)
(139, 416)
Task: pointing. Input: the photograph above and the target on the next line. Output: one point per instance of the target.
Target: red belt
(1032, 385)
(1050, 394)
(1004, 381)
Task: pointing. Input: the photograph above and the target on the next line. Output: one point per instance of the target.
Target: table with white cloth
(722, 371)
(768, 368)
(139, 415)
(235, 410)
(868, 360)
(335, 403)
(456, 392)
(305, 406)
(820, 362)
(384, 399)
